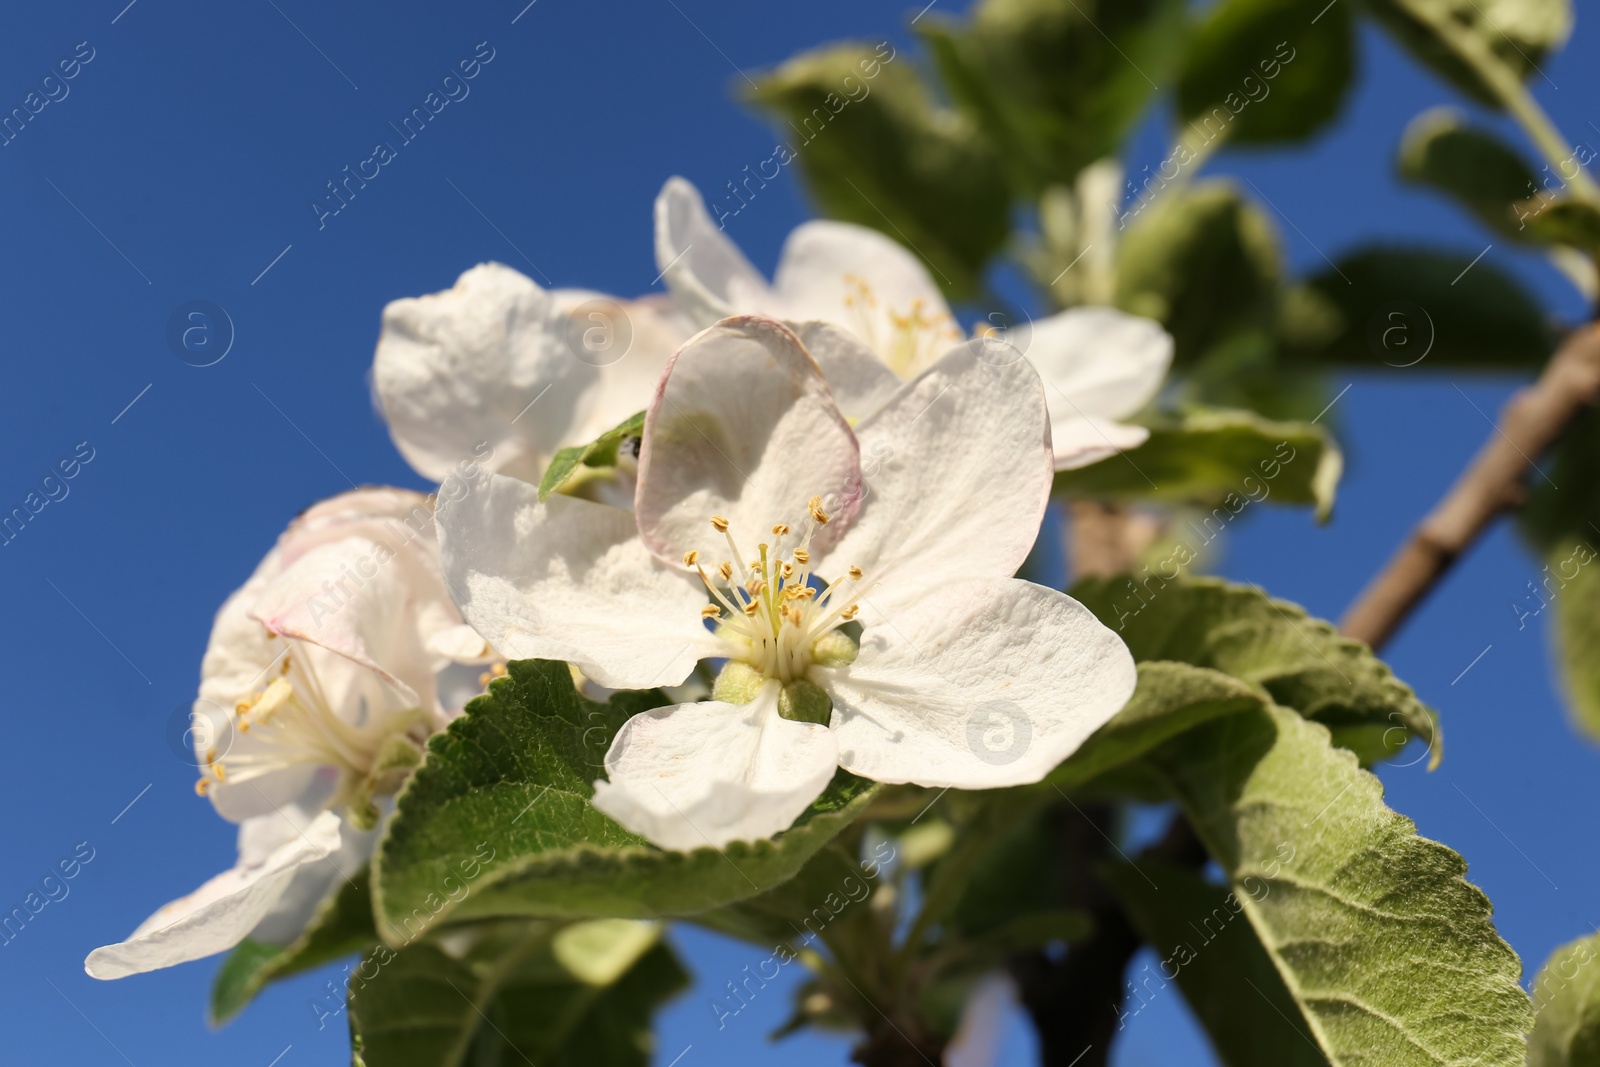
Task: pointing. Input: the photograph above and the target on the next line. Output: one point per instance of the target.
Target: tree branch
(1529, 424)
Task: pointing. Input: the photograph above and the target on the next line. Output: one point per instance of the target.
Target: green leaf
(1058, 84)
(875, 150)
(1511, 36)
(1389, 952)
(1418, 307)
(1566, 997)
(342, 926)
(507, 789)
(1301, 662)
(510, 999)
(601, 452)
(1258, 71)
(1224, 458)
(1491, 180)
(1203, 263)
(1225, 974)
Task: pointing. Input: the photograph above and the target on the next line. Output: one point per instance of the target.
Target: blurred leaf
(1409, 307)
(1203, 263)
(1390, 953)
(1301, 662)
(1215, 457)
(506, 1001)
(875, 150)
(1264, 74)
(1514, 35)
(514, 777)
(1564, 528)
(1057, 84)
(1225, 974)
(1566, 997)
(601, 452)
(341, 926)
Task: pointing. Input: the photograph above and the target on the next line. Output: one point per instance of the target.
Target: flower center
(291, 723)
(905, 341)
(769, 613)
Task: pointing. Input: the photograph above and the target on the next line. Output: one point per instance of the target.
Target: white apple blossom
(755, 539)
(318, 689)
(872, 316)
(502, 370)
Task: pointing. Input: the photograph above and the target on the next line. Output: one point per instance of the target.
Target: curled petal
(701, 775)
(220, 913)
(980, 684)
(709, 277)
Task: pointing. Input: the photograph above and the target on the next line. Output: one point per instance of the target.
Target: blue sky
(181, 166)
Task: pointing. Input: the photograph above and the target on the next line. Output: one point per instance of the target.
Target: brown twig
(1529, 424)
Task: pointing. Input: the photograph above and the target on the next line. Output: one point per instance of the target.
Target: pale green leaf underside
(1567, 997)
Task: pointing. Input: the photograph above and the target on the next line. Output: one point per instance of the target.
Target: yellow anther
(242, 707)
(726, 570)
(690, 558)
(751, 608)
(788, 569)
(499, 669)
(710, 611)
(217, 769)
(211, 756)
(802, 557)
(287, 663)
(795, 616)
(780, 529)
(849, 613)
(719, 524)
(202, 787)
(855, 574)
(816, 510)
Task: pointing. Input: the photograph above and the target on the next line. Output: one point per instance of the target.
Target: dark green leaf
(1226, 975)
(342, 926)
(601, 452)
(1511, 37)
(1405, 307)
(1203, 263)
(1390, 953)
(875, 150)
(1257, 70)
(1302, 662)
(505, 794)
(1566, 997)
(1223, 458)
(1058, 84)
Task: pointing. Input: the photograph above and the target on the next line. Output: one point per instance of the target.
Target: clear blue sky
(180, 167)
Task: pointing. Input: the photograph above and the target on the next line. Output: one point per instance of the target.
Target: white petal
(1096, 362)
(981, 684)
(708, 276)
(220, 913)
(956, 471)
(570, 580)
(743, 426)
(1080, 442)
(823, 268)
(627, 385)
(456, 372)
(861, 382)
(311, 884)
(700, 775)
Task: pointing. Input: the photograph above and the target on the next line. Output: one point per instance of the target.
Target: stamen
(690, 558)
(855, 574)
(815, 506)
(710, 611)
(726, 570)
(719, 524)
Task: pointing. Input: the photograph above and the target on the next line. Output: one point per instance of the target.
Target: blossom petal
(957, 474)
(568, 579)
(1096, 361)
(861, 279)
(980, 684)
(860, 381)
(743, 426)
(708, 276)
(220, 913)
(697, 775)
(312, 882)
(1080, 442)
(456, 374)
(627, 384)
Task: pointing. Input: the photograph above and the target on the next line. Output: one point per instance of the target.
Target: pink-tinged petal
(484, 372)
(708, 276)
(568, 579)
(871, 285)
(957, 472)
(981, 684)
(701, 775)
(743, 426)
(860, 381)
(219, 914)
